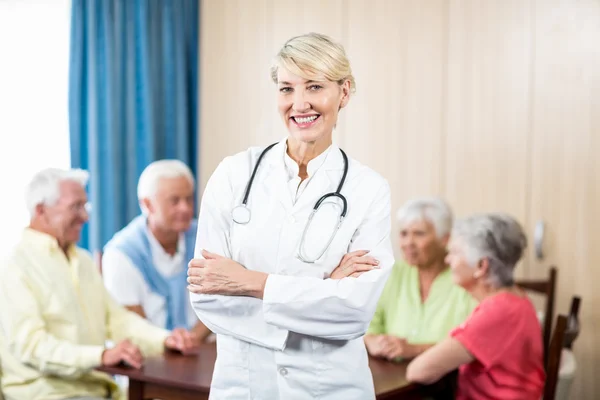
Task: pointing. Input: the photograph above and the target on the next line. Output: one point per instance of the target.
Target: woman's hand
(376, 345)
(354, 264)
(183, 341)
(392, 347)
(397, 347)
(215, 274)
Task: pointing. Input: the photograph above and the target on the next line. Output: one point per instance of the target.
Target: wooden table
(176, 377)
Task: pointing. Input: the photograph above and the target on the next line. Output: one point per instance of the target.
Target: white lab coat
(303, 340)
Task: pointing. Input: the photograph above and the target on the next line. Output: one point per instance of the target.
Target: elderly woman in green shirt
(420, 303)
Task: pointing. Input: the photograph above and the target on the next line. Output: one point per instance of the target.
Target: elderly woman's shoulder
(402, 269)
(509, 305)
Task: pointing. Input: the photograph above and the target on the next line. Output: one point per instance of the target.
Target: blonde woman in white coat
(291, 297)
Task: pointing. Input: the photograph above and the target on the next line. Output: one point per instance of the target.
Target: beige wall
(493, 104)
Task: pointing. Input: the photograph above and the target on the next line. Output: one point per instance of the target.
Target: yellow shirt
(55, 318)
(400, 311)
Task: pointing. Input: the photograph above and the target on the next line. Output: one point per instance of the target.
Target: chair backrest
(548, 288)
(554, 355)
(566, 374)
(573, 326)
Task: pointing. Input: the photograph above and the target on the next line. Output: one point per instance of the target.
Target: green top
(400, 311)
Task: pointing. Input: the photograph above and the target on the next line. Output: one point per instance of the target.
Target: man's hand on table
(124, 352)
(183, 341)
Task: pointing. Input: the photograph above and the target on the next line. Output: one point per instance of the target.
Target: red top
(504, 336)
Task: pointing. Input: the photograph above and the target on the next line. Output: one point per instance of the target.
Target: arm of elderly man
(127, 286)
(47, 332)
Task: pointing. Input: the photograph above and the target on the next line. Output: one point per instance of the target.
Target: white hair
(153, 173)
(44, 187)
(431, 209)
(499, 238)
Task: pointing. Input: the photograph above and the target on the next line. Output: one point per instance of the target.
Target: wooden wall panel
(488, 106)
(394, 123)
(234, 59)
(565, 166)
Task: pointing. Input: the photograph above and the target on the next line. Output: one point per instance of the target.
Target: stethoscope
(241, 214)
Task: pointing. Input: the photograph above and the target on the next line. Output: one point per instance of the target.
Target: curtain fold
(132, 99)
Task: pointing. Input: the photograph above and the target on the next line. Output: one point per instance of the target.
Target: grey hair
(44, 187)
(497, 237)
(430, 209)
(154, 172)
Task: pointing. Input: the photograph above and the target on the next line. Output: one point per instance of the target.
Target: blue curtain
(132, 99)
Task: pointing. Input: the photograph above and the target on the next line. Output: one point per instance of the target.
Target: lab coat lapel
(325, 180)
(275, 178)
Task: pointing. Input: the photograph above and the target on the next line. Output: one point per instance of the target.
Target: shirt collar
(156, 247)
(44, 241)
(313, 165)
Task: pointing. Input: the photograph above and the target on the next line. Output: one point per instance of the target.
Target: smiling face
(65, 219)
(309, 107)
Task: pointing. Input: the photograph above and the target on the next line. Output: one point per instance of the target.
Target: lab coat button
(283, 371)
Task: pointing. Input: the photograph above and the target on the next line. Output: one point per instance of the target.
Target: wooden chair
(573, 326)
(554, 355)
(568, 363)
(548, 288)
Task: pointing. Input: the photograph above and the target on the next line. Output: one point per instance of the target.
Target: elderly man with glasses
(56, 314)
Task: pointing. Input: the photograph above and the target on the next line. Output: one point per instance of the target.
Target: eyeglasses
(80, 207)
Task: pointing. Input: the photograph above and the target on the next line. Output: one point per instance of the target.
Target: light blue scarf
(133, 241)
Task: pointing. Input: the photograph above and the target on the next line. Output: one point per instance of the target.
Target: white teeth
(306, 119)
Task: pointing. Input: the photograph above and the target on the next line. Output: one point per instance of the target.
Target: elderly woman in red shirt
(498, 349)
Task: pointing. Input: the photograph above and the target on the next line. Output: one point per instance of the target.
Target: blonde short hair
(312, 56)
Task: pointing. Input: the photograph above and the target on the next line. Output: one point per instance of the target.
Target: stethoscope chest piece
(241, 214)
